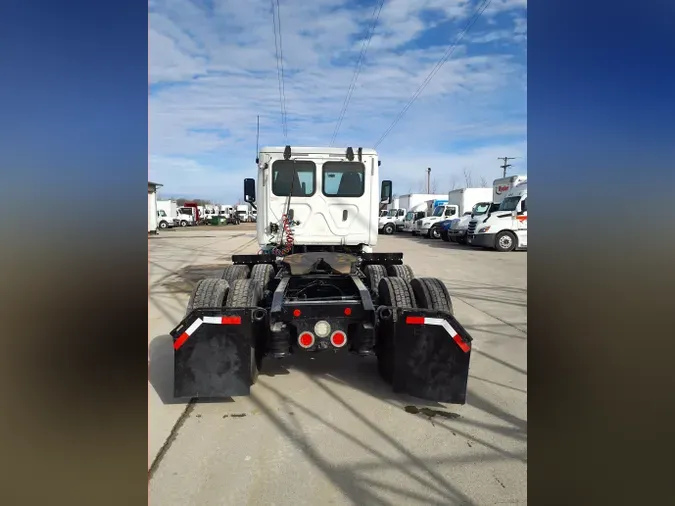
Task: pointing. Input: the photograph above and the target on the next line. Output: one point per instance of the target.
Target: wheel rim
(505, 241)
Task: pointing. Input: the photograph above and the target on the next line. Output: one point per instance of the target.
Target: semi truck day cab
(506, 228)
(391, 222)
(460, 203)
(458, 230)
(437, 210)
(316, 286)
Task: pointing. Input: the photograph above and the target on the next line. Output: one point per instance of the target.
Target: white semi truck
(504, 229)
(315, 286)
(459, 202)
(404, 204)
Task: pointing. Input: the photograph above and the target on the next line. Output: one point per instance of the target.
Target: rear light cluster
(322, 329)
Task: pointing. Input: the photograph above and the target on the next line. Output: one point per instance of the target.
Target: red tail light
(338, 339)
(306, 340)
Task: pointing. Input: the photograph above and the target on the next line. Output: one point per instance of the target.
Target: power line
(279, 51)
(436, 68)
(364, 48)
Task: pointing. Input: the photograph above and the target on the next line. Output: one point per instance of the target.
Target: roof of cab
(296, 150)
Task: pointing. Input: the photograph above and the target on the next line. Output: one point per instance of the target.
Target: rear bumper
(481, 240)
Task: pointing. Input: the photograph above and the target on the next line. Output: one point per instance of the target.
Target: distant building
(152, 207)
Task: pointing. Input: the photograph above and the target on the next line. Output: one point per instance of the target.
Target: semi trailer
(317, 286)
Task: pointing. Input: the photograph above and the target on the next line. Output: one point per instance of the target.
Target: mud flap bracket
(215, 351)
(431, 354)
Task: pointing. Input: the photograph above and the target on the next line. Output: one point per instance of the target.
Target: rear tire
(248, 293)
(263, 273)
(374, 273)
(431, 293)
(394, 292)
(401, 271)
(209, 292)
(235, 272)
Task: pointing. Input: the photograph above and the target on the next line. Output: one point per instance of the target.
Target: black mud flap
(215, 351)
(431, 353)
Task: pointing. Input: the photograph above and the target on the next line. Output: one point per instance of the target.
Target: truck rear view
(316, 286)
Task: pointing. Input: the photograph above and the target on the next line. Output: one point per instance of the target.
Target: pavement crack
(172, 437)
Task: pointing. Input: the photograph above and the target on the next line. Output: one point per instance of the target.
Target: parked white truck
(459, 203)
(243, 212)
(186, 216)
(506, 228)
(167, 214)
(413, 202)
(391, 222)
(458, 230)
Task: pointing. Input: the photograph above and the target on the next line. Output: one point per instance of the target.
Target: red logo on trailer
(502, 189)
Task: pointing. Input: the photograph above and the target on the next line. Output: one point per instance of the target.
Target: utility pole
(428, 180)
(506, 164)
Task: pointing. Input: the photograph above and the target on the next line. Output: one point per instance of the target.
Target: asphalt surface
(325, 429)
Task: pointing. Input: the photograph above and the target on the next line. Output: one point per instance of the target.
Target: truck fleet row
(170, 214)
(494, 218)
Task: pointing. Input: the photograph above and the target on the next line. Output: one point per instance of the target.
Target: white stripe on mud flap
(442, 323)
(197, 323)
(215, 320)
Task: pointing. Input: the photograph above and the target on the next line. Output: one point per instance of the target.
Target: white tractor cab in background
(413, 215)
(460, 203)
(458, 230)
(186, 216)
(391, 222)
(412, 205)
(506, 228)
(438, 210)
(243, 212)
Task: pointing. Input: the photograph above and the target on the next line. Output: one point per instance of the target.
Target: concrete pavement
(325, 429)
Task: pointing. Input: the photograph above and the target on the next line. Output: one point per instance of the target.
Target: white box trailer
(153, 223)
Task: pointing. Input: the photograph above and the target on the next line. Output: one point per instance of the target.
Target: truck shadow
(348, 369)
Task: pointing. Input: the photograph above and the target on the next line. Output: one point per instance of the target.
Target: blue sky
(212, 69)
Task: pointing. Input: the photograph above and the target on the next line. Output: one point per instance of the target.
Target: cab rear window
(298, 176)
(343, 179)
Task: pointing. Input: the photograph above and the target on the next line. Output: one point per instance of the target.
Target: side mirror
(249, 190)
(385, 192)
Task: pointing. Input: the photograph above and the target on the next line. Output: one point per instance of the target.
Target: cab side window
(523, 205)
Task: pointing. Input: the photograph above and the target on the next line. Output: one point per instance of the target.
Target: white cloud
(212, 70)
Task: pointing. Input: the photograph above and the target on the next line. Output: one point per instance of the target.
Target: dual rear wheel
(238, 287)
